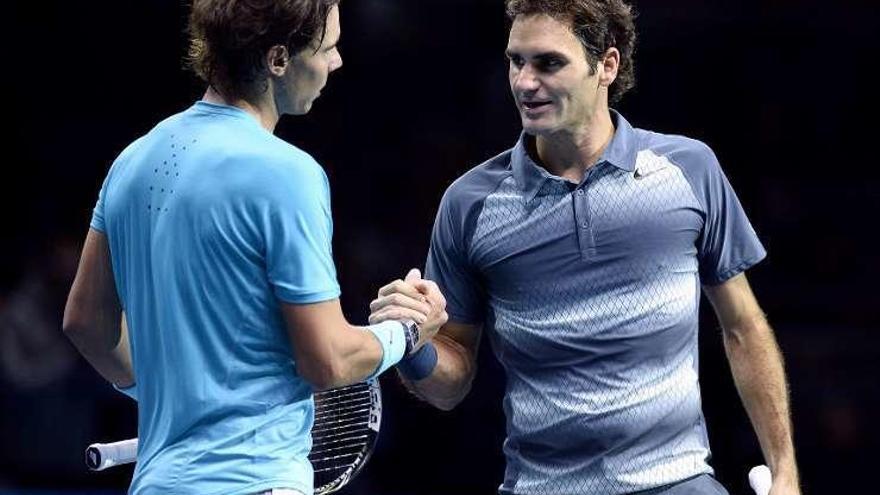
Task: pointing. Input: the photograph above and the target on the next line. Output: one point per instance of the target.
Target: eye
(550, 64)
(516, 60)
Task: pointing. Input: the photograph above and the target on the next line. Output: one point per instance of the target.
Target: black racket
(346, 427)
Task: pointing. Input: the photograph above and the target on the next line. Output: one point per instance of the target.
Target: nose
(525, 80)
(336, 61)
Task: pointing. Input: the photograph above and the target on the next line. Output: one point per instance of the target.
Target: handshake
(411, 299)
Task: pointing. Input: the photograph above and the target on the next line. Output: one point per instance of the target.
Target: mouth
(535, 105)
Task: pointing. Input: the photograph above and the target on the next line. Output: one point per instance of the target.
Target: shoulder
(122, 160)
(695, 159)
(468, 191)
(285, 159)
(260, 169)
(238, 142)
(131, 150)
(693, 156)
(270, 160)
(285, 171)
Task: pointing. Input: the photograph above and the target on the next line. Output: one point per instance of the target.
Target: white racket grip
(100, 456)
(760, 479)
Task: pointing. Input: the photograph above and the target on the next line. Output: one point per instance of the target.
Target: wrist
(785, 472)
(411, 334)
(392, 340)
(420, 364)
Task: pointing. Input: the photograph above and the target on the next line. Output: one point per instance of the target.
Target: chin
(302, 109)
(537, 128)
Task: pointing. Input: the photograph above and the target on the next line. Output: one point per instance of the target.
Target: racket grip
(760, 479)
(100, 456)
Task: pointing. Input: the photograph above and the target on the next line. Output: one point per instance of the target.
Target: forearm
(759, 374)
(110, 355)
(330, 353)
(451, 379)
(93, 316)
(358, 354)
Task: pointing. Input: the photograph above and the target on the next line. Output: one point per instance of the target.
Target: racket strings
(342, 390)
(345, 429)
(347, 439)
(341, 448)
(331, 422)
(325, 402)
(350, 415)
(341, 435)
(334, 466)
(360, 405)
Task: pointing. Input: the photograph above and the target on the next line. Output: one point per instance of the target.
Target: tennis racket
(344, 434)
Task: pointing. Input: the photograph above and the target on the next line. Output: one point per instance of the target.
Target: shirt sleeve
(99, 219)
(298, 234)
(97, 222)
(448, 265)
(728, 244)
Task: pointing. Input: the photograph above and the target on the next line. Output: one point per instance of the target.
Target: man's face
(309, 69)
(550, 78)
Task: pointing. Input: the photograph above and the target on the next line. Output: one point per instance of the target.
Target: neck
(570, 153)
(264, 109)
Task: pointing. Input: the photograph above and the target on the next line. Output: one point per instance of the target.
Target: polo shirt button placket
(585, 224)
(582, 212)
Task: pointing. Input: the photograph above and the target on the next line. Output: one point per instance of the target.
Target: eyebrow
(541, 55)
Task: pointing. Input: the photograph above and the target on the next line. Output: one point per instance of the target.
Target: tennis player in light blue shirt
(211, 242)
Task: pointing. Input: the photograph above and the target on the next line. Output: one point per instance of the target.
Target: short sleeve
(99, 219)
(728, 244)
(97, 222)
(448, 265)
(298, 234)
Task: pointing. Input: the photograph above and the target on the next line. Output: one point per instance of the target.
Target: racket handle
(100, 456)
(760, 479)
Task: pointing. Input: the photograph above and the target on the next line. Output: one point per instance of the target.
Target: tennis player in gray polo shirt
(582, 251)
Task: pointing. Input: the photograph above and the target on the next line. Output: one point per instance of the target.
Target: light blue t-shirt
(212, 220)
(590, 295)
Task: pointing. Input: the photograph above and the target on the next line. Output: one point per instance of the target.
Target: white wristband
(392, 338)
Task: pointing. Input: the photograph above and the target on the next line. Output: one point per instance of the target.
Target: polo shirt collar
(621, 153)
(624, 146)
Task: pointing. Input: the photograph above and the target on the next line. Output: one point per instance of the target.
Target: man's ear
(277, 60)
(608, 66)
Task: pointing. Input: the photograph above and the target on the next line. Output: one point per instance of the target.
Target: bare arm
(758, 372)
(450, 382)
(456, 343)
(329, 351)
(93, 318)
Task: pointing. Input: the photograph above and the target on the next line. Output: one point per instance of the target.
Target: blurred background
(783, 90)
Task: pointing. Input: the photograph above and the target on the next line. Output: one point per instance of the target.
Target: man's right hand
(413, 299)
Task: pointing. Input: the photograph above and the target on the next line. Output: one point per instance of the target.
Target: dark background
(783, 91)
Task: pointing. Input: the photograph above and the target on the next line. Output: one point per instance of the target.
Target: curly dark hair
(229, 39)
(599, 25)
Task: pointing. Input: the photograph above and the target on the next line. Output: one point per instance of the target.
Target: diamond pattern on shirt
(600, 352)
